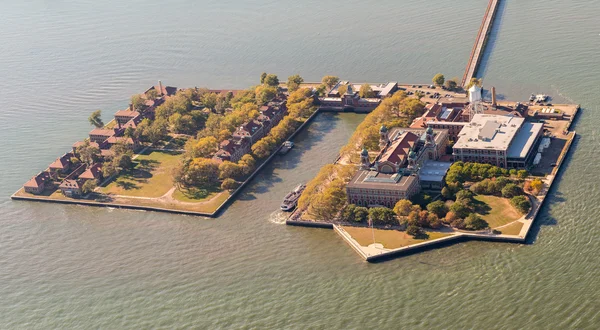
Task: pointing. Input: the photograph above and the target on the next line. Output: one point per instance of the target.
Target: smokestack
(494, 97)
(160, 88)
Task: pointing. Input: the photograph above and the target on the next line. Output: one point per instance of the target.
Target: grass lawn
(390, 239)
(512, 229)
(195, 195)
(151, 176)
(497, 211)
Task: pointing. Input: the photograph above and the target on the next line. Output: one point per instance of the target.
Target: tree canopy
(294, 82)
(438, 79)
(366, 91)
(330, 81)
(95, 119)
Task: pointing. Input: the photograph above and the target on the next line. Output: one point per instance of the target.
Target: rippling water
(78, 267)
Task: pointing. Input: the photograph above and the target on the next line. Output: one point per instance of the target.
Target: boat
(286, 147)
(291, 199)
(532, 97)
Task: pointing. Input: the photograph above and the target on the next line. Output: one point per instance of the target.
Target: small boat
(532, 97)
(541, 98)
(291, 199)
(287, 146)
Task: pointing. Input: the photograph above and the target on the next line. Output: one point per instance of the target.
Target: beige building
(504, 141)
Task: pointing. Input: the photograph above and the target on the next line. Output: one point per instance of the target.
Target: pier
(479, 47)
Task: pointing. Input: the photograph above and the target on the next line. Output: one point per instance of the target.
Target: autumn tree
(294, 82)
(438, 79)
(209, 100)
(152, 94)
(342, 89)
(330, 81)
(88, 153)
(366, 91)
(403, 207)
(95, 119)
(203, 147)
(229, 184)
(138, 102)
(230, 170)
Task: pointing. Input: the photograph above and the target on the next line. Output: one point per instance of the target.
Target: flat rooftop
(434, 171)
(494, 132)
(374, 180)
(524, 140)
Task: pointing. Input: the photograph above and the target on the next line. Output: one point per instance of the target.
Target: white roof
(493, 132)
(524, 140)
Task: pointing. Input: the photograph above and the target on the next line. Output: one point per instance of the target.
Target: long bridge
(479, 47)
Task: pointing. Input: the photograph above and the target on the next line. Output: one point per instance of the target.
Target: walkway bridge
(479, 47)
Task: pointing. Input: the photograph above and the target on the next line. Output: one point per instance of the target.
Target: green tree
(451, 84)
(330, 81)
(522, 174)
(264, 94)
(271, 80)
(366, 91)
(460, 209)
(157, 130)
(294, 82)
(464, 195)
(95, 119)
(447, 193)
(152, 94)
(261, 149)
(361, 214)
(88, 187)
(403, 207)
(438, 208)
(138, 102)
(263, 76)
(521, 203)
(109, 169)
(511, 190)
(209, 100)
(382, 216)
(439, 79)
(475, 222)
(129, 132)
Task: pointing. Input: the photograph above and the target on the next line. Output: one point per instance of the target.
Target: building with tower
(394, 173)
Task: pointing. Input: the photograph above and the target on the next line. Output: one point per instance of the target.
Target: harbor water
(75, 267)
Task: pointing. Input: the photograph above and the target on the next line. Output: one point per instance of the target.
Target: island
(434, 164)
(176, 150)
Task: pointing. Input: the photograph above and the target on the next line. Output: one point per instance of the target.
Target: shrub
(450, 217)
(464, 195)
(416, 232)
(521, 203)
(475, 222)
(447, 193)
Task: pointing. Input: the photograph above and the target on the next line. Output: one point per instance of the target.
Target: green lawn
(497, 211)
(390, 239)
(512, 229)
(151, 176)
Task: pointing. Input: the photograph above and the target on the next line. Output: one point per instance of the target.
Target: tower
(365, 163)
(412, 160)
(430, 144)
(476, 107)
(384, 137)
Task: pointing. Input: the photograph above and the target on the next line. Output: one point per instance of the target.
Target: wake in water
(278, 217)
(555, 89)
